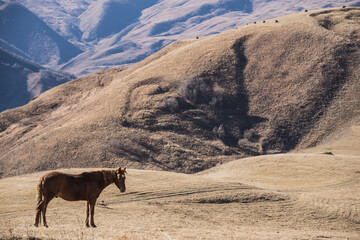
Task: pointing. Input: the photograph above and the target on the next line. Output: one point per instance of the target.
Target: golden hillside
(263, 88)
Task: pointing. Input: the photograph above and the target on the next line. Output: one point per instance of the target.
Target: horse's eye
(123, 176)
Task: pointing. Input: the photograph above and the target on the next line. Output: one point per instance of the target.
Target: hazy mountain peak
(24, 30)
(22, 80)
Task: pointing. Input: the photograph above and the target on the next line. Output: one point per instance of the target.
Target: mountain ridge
(145, 28)
(24, 30)
(22, 80)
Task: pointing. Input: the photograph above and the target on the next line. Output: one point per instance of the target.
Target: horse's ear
(118, 170)
(124, 169)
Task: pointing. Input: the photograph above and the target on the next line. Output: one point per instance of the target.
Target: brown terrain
(211, 106)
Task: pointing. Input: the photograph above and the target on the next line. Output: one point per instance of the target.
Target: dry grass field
(298, 195)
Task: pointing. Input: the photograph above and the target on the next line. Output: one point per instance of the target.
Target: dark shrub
(171, 104)
(195, 91)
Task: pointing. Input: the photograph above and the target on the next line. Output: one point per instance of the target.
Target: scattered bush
(195, 91)
(219, 96)
(249, 134)
(220, 132)
(129, 142)
(243, 142)
(227, 152)
(171, 104)
(120, 144)
(25, 122)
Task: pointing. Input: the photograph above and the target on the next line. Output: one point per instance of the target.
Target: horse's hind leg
(44, 207)
(92, 211)
(87, 213)
(38, 214)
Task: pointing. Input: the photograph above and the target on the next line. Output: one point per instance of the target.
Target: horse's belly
(71, 197)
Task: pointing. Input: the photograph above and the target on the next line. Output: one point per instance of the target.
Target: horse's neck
(108, 176)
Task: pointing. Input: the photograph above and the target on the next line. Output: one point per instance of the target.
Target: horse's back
(52, 174)
(60, 176)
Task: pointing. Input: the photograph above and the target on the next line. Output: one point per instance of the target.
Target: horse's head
(120, 179)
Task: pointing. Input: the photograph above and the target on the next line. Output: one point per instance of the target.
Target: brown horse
(86, 186)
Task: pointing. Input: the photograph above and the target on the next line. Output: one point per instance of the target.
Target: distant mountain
(22, 80)
(121, 32)
(22, 30)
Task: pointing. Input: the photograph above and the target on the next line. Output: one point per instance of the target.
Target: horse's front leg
(87, 213)
(92, 210)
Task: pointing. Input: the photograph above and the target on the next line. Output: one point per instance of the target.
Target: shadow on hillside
(227, 106)
(288, 129)
(210, 106)
(239, 106)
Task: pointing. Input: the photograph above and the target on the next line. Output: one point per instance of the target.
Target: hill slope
(266, 87)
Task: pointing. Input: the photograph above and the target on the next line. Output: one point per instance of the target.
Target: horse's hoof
(36, 225)
(93, 225)
(45, 225)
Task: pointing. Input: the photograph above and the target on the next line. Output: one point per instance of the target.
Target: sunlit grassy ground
(283, 198)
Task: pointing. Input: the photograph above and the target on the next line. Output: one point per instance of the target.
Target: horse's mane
(108, 176)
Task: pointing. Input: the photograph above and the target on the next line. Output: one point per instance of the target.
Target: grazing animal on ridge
(86, 186)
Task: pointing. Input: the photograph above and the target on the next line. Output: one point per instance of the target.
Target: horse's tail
(39, 202)
(40, 191)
